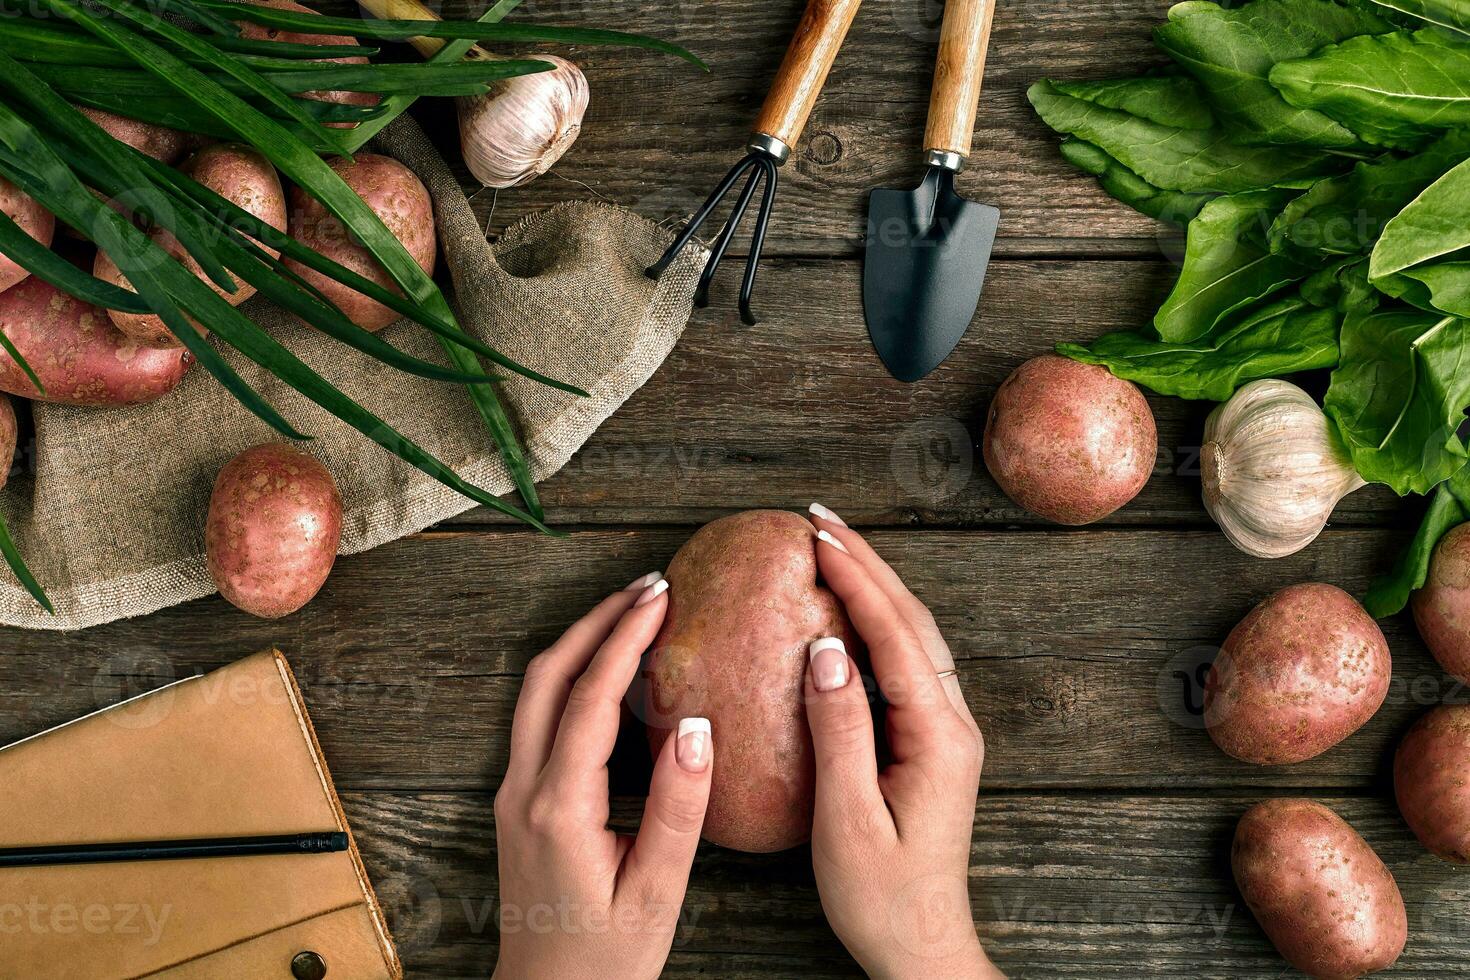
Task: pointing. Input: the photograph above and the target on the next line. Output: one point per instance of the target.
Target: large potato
(744, 604)
(1320, 892)
(80, 357)
(275, 522)
(1431, 777)
(396, 196)
(245, 178)
(1068, 441)
(33, 219)
(260, 32)
(1442, 607)
(1306, 669)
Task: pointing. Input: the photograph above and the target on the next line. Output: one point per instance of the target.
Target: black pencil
(172, 850)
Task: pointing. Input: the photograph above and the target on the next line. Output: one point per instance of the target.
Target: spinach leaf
(1196, 161)
(1345, 215)
(1130, 188)
(1227, 264)
(1232, 52)
(1442, 287)
(1392, 89)
(1389, 594)
(1169, 100)
(1399, 396)
(1343, 286)
(1283, 337)
(1435, 225)
(1453, 14)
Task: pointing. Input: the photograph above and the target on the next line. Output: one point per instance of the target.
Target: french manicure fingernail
(829, 663)
(653, 592)
(823, 513)
(692, 747)
(639, 584)
(827, 537)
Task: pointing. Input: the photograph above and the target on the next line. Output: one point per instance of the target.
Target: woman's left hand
(577, 899)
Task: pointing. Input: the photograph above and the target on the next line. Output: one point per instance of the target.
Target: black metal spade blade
(927, 252)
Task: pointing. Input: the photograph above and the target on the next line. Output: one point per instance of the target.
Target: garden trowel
(927, 249)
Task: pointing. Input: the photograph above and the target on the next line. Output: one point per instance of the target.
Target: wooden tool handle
(963, 41)
(804, 71)
(414, 10)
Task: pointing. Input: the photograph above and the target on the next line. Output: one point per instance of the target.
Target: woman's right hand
(891, 849)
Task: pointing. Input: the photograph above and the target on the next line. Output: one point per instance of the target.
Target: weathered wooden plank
(799, 408)
(659, 135)
(1079, 650)
(1086, 887)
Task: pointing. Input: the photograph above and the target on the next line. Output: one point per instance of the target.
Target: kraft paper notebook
(229, 754)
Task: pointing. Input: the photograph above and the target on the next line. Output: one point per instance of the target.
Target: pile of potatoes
(1301, 674)
(276, 517)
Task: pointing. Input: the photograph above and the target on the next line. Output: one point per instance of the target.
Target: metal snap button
(308, 966)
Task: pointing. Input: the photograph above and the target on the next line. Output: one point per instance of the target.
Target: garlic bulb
(523, 126)
(1273, 469)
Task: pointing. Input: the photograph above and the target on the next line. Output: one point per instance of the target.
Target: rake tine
(722, 244)
(701, 216)
(758, 240)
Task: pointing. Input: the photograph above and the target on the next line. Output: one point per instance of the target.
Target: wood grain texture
(1084, 888)
(1080, 650)
(1102, 834)
(803, 72)
(659, 135)
(959, 72)
(800, 408)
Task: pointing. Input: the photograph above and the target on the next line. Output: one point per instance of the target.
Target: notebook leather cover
(229, 754)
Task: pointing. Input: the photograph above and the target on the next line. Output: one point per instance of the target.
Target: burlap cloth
(112, 519)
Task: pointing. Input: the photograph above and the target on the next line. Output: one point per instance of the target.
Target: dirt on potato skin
(273, 530)
(1442, 606)
(1431, 777)
(1069, 441)
(1302, 672)
(262, 32)
(159, 142)
(32, 219)
(1321, 893)
(244, 177)
(745, 602)
(80, 357)
(399, 198)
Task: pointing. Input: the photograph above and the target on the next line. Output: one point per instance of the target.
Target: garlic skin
(1273, 469)
(523, 126)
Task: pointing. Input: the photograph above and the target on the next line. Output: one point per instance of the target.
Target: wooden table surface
(1102, 835)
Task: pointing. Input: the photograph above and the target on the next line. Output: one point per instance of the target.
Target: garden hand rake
(803, 73)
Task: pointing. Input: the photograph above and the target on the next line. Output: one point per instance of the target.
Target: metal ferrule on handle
(786, 111)
(803, 73)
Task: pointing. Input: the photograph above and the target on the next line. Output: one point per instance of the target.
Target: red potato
(241, 175)
(1306, 669)
(1068, 441)
(1325, 899)
(9, 437)
(274, 526)
(1442, 607)
(33, 219)
(159, 142)
(80, 357)
(396, 196)
(1431, 777)
(745, 603)
(260, 32)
